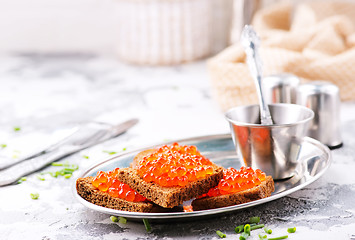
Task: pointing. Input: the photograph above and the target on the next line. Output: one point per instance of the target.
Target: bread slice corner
(91, 194)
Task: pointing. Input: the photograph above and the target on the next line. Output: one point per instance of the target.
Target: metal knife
(86, 136)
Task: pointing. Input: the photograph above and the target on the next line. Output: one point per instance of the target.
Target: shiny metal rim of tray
(314, 158)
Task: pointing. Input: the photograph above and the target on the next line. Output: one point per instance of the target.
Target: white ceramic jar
(163, 32)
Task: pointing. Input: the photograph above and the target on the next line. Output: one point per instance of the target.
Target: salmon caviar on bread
(107, 182)
(174, 165)
(236, 181)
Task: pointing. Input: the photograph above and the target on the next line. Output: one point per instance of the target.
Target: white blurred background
(57, 26)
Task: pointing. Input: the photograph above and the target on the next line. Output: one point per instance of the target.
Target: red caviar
(174, 165)
(108, 182)
(236, 180)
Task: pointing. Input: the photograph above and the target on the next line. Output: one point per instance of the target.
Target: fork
(85, 137)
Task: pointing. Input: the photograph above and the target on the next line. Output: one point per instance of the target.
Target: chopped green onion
(111, 153)
(147, 225)
(86, 157)
(114, 219)
(267, 230)
(75, 166)
(40, 178)
(16, 129)
(256, 227)
(67, 175)
(35, 196)
(247, 229)
(291, 230)
(254, 220)
(66, 172)
(122, 220)
(3, 145)
(277, 238)
(124, 149)
(57, 164)
(22, 180)
(220, 234)
(239, 229)
(53, 174)
(262, 236)
(244, 236)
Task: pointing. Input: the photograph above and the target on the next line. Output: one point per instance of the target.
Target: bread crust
(169, 197)
(91, 194)
(262, 191)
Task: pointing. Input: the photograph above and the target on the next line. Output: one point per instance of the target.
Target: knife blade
(87, 136)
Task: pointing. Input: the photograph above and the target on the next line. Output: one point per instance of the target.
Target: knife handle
(21, 169)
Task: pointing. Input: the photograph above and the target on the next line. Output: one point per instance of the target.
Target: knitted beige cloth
(314, 41)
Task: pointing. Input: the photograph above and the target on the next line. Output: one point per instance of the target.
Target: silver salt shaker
(323, 98)
(280, 88)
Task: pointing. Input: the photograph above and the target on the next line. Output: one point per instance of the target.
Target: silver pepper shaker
(323, 98)
(280, 88)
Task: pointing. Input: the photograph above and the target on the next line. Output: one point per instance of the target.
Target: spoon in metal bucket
(251, 42)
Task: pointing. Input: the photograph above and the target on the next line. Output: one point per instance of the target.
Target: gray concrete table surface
(43, 94)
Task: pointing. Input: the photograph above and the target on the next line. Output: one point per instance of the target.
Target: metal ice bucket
(273, 149)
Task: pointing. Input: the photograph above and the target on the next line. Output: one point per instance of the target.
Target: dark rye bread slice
(262, 191)
(91, 194)
(169, 197)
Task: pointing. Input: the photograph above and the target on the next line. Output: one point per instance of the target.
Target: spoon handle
(250, 42)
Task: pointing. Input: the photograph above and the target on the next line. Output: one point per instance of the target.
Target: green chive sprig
(244, 236)
(278, 238)
(239, 229)
(109, 152)
(21, 180)
(66, 172)
(267, 230)
(147, 226)
(255, 220)
(34, 196)
(247, 229)
(39, 177)
(256, 227)
(261, 236)
(122, 220)
(220, 234)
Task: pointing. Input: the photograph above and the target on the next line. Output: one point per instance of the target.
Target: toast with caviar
(160, 179)
(91, 194)
(170, 175)
(236, 187)
(106, 191)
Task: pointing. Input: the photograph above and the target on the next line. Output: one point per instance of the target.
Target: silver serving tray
(314, 160)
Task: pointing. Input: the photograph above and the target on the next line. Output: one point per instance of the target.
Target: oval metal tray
(314, 160)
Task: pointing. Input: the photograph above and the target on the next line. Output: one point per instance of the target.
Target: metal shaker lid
(319, 87)
(323, 98)
(280, 88)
